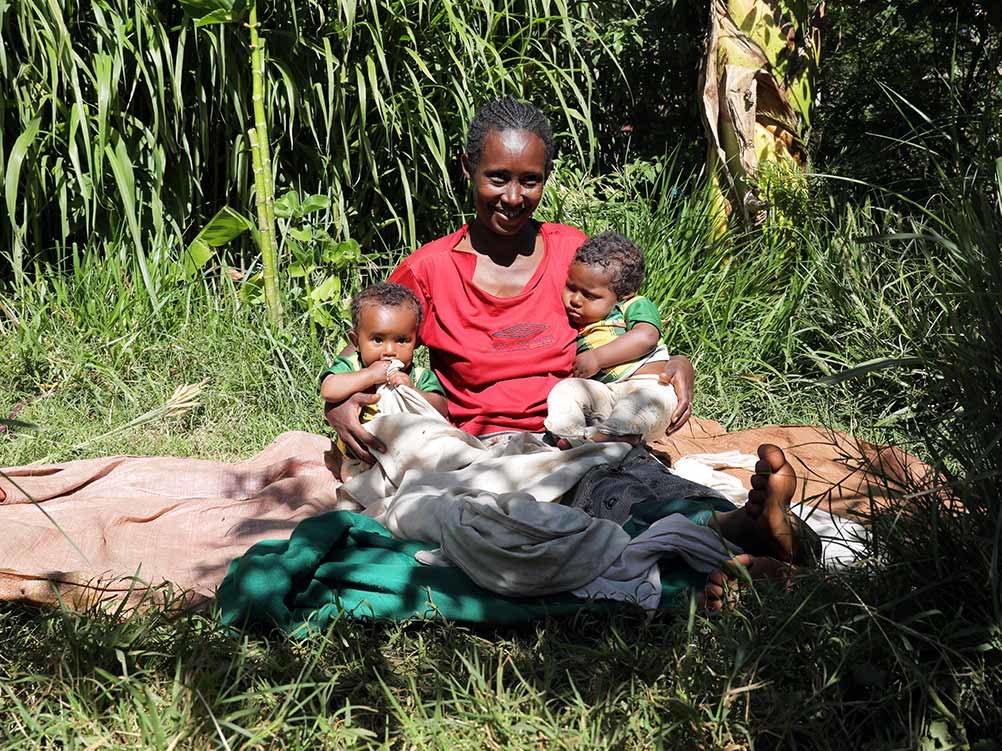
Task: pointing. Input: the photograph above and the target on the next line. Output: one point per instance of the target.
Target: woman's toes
(772, 456)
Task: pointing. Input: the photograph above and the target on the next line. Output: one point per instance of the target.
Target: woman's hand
(343, 417)
(679, 373)
(585, 365)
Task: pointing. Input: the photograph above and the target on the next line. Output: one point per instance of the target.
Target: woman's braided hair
(618, 257)
(504, 114)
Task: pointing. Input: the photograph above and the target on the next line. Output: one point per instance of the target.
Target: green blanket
(342, 563)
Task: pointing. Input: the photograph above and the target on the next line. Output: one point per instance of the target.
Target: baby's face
(587, 297)
(385, 333)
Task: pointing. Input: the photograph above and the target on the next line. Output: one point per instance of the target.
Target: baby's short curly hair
(388, 294)
(617, 256)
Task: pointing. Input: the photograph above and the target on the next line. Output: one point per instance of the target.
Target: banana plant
(208, 13)
(757, 93)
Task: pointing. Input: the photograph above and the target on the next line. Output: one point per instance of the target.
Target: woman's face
(508, 182)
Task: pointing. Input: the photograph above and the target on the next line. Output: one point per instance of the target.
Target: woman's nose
(512, 195)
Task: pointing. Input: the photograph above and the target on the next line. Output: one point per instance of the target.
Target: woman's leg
(763, 527)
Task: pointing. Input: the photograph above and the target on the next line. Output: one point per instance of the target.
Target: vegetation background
(872, 304)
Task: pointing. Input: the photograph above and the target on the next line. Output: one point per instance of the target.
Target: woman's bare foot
(723, 584)
(764, 525)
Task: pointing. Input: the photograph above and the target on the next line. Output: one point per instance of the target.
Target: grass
(902, 651)
(897, 653)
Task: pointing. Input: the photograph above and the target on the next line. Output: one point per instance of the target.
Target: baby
(616, 394)
(385, 319)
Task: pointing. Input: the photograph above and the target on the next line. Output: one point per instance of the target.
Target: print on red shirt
(521, 336)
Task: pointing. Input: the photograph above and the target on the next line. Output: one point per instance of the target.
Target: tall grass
(125, 122)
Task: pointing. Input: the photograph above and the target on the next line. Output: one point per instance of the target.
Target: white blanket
(487, 507)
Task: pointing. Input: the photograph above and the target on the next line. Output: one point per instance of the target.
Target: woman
(495, 324)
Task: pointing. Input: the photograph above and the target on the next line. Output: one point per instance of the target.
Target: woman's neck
(504, 251)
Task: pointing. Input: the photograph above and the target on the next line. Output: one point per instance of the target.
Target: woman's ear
(465, 162)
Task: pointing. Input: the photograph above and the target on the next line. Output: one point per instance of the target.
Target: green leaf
(327, 290)
(320, 316)
(303, 234)
(343, 254)
(209, 12)
(125, 180)
(871, 366)
(196, 255)
(252, 291)
(14, 162)
(287, 205)
(226, 225)
(297, 270)
(315, 203)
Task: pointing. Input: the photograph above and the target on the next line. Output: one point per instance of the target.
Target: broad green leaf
(343, 254)
(327, 290)
(224, 227)
(315, 203)
(320, 316)
(303, 234)
(209, 12)
(196, 255)
(287, 205)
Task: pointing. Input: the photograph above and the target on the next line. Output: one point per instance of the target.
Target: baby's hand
(585, 365)
(399, 378)
(377, 372)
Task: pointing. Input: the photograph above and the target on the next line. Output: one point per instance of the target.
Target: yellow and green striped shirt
(624, 315)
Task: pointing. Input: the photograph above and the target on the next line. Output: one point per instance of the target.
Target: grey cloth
(610, 491)
(510, 543)
(635, 576)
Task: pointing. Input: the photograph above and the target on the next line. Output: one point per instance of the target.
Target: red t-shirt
(497, 357)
